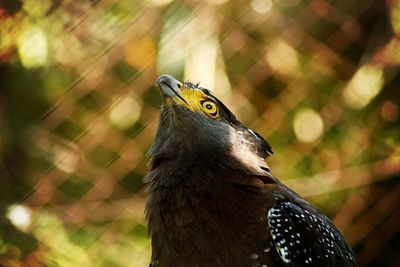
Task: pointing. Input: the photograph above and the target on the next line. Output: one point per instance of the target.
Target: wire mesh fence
(78, 111)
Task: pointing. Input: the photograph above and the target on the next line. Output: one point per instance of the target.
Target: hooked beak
(170, 87)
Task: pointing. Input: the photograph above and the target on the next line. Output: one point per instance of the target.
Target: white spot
(261, 6)
(19, 216)
(254, 256)
(252, 132)
(282, 250)
(282, 254)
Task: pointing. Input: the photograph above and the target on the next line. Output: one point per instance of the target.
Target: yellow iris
(210, 108)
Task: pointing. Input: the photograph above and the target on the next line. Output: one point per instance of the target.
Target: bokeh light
(261, 6)
(282, 58)
(308, 125)
(125, 112)
(364, 86)
(319, 80)
(32, 47)
(19, 216)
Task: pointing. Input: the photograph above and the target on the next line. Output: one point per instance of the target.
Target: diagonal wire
(100, 55)
(106, 107)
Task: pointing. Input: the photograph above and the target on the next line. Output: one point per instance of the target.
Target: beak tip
(168, 85)
(165, 78)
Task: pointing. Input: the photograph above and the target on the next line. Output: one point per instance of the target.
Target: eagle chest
(207, 228)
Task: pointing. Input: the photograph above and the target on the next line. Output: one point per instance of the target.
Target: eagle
(213, 200)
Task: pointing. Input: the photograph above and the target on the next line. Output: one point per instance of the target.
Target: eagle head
(198, 132)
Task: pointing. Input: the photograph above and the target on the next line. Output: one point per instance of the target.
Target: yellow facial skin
(196, 101)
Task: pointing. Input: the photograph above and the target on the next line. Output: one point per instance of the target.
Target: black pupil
(208, 106)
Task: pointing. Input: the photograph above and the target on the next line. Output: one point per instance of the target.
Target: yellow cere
(197, 101)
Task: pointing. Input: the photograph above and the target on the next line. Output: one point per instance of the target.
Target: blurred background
(78, 111)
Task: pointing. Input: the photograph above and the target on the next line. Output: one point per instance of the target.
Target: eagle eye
(209, 108)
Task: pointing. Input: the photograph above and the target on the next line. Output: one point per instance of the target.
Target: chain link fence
(78, 112)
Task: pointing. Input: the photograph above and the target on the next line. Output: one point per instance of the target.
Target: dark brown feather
(213, 201)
